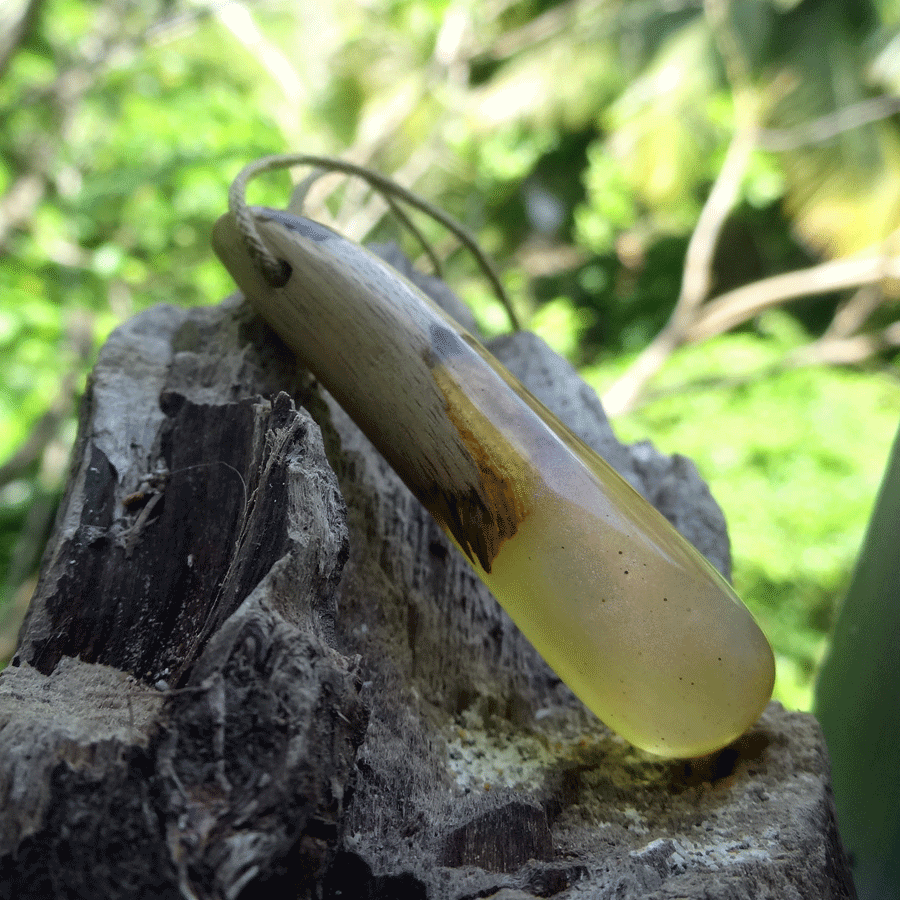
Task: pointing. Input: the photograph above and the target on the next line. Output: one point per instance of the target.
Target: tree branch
(239, 21)
(738, 306)
(697, 276)
(696, 279)
(850, 350)
(16, 24)
(828, 127)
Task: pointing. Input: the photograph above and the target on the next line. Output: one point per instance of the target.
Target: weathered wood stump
(248, 666)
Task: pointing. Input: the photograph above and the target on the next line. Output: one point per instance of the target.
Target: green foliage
(856, 698)
(611, 205)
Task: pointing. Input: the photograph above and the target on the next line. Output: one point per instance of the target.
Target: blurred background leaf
(579, 139)
(856, 700)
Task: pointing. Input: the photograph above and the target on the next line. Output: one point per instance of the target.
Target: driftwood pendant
(627, 612)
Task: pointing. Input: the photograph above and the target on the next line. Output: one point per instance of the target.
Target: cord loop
(277, 272)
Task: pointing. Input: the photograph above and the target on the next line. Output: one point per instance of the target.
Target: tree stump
(253, 662)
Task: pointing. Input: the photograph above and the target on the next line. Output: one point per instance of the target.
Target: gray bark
(248, 666)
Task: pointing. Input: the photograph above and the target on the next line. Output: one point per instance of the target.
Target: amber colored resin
(626, 611)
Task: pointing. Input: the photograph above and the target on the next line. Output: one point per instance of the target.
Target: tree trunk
(250, 667)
